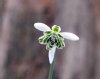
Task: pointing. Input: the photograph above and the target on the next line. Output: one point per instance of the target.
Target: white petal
(70, 36)
(41, 27)
(51, 54)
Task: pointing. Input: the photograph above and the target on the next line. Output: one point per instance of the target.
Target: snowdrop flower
(53, 38)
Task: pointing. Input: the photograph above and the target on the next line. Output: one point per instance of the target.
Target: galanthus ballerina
(53, 38)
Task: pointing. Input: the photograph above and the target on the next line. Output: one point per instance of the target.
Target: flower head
(53, 38)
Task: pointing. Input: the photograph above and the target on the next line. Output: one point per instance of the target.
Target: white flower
(53, 42)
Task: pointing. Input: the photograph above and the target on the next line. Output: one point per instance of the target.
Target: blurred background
(22, 57)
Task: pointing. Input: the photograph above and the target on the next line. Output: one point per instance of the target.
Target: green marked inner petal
(48, 32)
(60, 36)
(60, 44)
(48, 39)
(45, 40)
(56, 28)
(42, 40)
(48, 46)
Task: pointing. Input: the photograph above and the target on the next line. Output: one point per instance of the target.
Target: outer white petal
(51, 54)
(70, 36)
(41, 27)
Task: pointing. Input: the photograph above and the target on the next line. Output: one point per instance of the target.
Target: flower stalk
(51, 70)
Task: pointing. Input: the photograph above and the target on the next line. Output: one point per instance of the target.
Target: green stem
(51, 70)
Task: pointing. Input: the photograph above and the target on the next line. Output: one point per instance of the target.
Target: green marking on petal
(45, 40)
(48, 32)
(48, 46)
(60, 44)
(56, 28)
(41, 39)
(60, 36)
